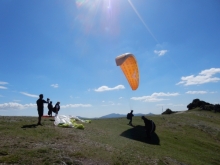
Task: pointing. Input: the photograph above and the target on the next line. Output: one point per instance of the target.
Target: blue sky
(66, 50)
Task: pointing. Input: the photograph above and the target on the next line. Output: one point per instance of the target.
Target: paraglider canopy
(129, 66)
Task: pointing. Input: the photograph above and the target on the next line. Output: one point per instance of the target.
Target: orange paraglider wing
(129, 66)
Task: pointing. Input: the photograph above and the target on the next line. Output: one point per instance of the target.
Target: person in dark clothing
(50, 108)
(129, 116)
(150, 126)
(56, 108)
(40, 108)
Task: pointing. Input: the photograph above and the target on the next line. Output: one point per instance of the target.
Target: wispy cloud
(120, 98)
(106, 88)
(55, 85)
(205, 76)
(109, 103)
(75, 105)
(170, 104)
(196, 92)
(29, 95)
(155, 97)
(16, 100)
(179, 105)
(3, 83)
(77, 97)
(160, 52)
(16, 106)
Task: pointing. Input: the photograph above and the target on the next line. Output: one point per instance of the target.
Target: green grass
(188, 138)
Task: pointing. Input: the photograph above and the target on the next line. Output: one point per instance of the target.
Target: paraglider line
(139, 16)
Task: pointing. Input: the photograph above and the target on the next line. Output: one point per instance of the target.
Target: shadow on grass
(52, 120)
(138, 133)
(30, 126)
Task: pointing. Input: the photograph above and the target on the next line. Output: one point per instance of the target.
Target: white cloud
(196, 92)
(205, 76)
(106, 88)
(3, 83)
(155, 97)
(16, 106)
(29, 95)
(165, 94)
(160, 52)
(75, 105)
(120, 98)
(55, 85)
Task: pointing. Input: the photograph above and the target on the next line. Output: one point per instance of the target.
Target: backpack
(128, 116)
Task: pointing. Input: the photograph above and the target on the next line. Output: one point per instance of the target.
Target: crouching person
(150, 126)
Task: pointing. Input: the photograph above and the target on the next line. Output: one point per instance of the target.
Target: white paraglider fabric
(69, 121)
(62, 119)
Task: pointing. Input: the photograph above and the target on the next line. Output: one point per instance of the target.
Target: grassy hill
(188, 138)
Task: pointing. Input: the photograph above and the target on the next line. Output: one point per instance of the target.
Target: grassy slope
(188, 138)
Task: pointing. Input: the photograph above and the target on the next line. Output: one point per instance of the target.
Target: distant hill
(115, 115)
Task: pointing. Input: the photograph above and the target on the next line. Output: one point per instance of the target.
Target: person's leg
(40, 114)
(56, 112)
(50, 112)
(130, 122)
(39, 120)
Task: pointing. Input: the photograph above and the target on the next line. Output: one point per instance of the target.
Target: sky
(66, 51)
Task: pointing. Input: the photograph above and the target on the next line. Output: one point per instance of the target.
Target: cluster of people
(150, 126)
(54, 109)
(40, 107)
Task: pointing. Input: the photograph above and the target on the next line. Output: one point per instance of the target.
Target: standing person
(57, 108)
(50, 108)
(150, 126)
(129, 116)
(40, 107)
